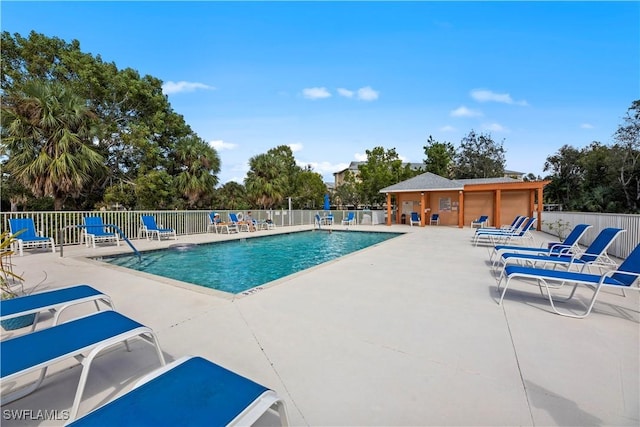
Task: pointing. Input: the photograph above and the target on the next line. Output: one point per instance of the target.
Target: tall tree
(231, 195)
(440, 156)
(566, 176)
(48, 133)
(598, 186)
(347, 193)
(309, 190)
(138, 130)
(199, 164)
(627, 157)
(155, 190)
(382, 168)
(271, 177)
(479, 156)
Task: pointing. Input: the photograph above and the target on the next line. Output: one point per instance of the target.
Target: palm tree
(47, 132)
(198, 163)
(265, 181)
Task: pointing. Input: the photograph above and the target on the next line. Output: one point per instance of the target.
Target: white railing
(620, 248)
(60, 224)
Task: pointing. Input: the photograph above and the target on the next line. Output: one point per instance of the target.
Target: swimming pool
(239, 265)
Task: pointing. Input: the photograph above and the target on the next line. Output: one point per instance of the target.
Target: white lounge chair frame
(24, 243)
(412, 221)
(562, 277)
(117, 410)
(159, 231)
(350, 219)
(87, 236)
(91, 352)
(56, 307)
(481, 222)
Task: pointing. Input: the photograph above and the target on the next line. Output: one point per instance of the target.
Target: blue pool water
(238, 265)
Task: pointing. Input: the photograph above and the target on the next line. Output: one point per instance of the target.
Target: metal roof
(431, 182)
(425, 182)
(487, 180)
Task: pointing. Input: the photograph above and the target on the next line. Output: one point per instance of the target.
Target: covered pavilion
(459, 202)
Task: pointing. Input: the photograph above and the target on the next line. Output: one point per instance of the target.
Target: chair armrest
(625, 273)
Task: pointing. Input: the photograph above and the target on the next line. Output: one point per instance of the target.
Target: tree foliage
(231, 196)
(627, 157)
(347, 194)
(136, 131)
(270, 177)
(440, 156)
(599, 177)
(382, 169)
(479, 156)
(48, 132)
(309, 190)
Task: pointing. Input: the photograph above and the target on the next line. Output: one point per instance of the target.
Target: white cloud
(465, 112)
(586, 126)
(447, 128)
(360, 157)
(220, 145)
(237, 179)
(296, 146)
(324, 168)
(483, 95)
(182, 86)
(368, 94)
(345, 92)
(316, 93)
(494, 127)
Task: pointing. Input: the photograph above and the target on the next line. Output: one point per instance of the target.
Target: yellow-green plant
(559, 228)
(11, 284)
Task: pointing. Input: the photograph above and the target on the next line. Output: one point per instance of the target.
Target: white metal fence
(61, 224)
(620, 248)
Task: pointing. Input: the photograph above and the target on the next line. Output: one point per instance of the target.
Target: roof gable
(425, 182)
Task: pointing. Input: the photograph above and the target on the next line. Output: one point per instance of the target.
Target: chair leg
(12, 397)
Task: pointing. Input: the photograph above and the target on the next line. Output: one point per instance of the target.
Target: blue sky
(333, 79)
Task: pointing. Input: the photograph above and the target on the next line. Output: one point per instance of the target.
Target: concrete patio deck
(407, 332)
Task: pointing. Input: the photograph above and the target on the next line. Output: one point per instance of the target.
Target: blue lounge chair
(28, 237)
(83, 338)
(240, 225)
(328, 219)
(415, 219)
(54, 301)
(515, 225)
(594, 254)
(567, 247)
(622, 278)
(149, 227)
(95, 230)
(505, 236)
(435, 219)
(191, 391)
(480, 222)
(350, 219)
(219, 226)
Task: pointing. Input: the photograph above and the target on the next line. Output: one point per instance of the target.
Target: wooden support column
(532, 201)
(460, 209)
(540, 206)
(388, 208)
(423, 214)
(497, 202)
